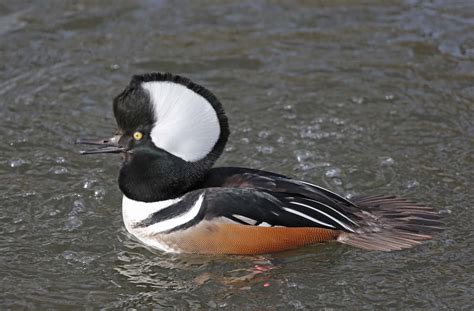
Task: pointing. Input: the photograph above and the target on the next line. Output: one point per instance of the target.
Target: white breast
(153, 235)
(135, 211)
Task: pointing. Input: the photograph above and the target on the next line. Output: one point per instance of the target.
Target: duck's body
(171, 133)
(244, 211)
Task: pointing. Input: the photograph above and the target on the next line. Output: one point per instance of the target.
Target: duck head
(170, 133)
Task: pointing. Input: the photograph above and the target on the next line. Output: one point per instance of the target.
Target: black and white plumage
(172, 130)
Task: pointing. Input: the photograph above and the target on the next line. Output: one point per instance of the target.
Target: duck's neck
(151, 177)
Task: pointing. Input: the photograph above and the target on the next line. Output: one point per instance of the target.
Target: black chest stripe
(175, 210)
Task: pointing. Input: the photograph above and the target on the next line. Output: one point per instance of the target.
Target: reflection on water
(358, 97)
(213, 281)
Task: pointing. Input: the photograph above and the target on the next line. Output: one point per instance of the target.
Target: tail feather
(391, 223)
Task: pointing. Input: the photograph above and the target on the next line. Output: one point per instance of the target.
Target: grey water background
(362, 97)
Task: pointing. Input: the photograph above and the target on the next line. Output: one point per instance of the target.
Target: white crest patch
(186, 123)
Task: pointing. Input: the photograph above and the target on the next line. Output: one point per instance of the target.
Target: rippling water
(358, 96)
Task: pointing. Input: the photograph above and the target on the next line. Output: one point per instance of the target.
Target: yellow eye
(137, 135)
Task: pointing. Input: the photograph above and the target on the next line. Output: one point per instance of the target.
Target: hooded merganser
(171, 131)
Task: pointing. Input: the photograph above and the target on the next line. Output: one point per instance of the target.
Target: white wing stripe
(333, 210)
(323, 213)
(244, 219)
(308, 217)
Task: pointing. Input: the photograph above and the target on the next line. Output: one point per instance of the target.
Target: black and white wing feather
(297, 196)
(262, 199)
(252, 207)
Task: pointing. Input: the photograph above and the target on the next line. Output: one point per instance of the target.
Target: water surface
(361, 97)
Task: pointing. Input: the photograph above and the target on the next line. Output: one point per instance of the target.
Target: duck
(170, 133)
